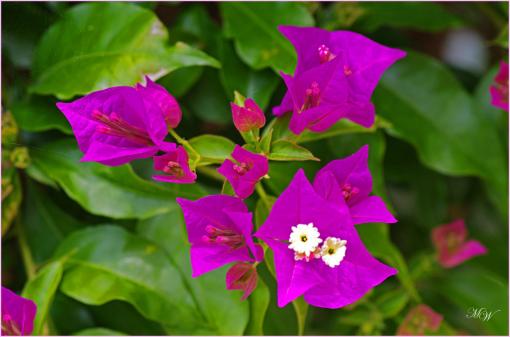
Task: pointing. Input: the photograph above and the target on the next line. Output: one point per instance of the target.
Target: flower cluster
(335, 77)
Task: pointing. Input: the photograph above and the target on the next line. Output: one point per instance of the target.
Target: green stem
(28, 262)
(263, 195)
(183, 142)
(301, 308)
(211, 173)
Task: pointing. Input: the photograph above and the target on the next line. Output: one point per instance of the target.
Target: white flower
(333, 251)
(304, 239)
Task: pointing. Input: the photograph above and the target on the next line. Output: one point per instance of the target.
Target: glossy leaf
(98, 332)
(99, 189)
(283, 150)
(212, 148)
(107, 263)
(253, 26)
(441, 121)
(99, 45)
(423, 16)
(41, 289)
(259, 301)
(39, 114)
(224, 312)
(45, 224)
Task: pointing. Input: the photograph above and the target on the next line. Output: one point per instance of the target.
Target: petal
(111, 155)
(466, 251)
(326, 185)
(317, 119)
(285, 106)
(21, 310)
(354, 171)
(168, 105)
(207, 257)
(371, 209)
(208, 210)
(244, 224)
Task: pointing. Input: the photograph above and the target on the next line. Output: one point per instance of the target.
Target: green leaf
(377, 240)
(262, 210)
(224, 313)
(212, 148)
(44, 223)
(180, 81)
(441, 120)
(115, 192)
(107, 263)
(254, 29)
(100, 45)
(283, 150)
(423, 16)
(207, 100)
(39, 114)
(41, 289)
(259, 302)
(236, 76)
(391, 303)
(98, 332)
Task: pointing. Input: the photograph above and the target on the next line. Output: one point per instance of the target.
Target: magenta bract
(119, 124)
(420, 320)
(220, 232)
(247, 117)
(18, 314)
(242, 276)
(349, 180)
(245, 171)
(499, 90)
(360, 63)
(167, 103)
(451, 244)
(326, 260)
(174, 164)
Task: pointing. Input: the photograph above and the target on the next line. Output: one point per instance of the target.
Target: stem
(183, 142)
(263, 195)
(301, 308)
(28, 262)
(211, 173)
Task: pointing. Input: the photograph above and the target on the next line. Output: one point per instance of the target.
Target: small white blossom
(333, 251)
(304, 239)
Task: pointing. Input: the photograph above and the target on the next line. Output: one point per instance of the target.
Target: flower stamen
(114, 125)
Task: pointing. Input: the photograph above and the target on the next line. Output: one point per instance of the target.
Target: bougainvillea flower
(451, 245)
(361, 63)
(167, 103)
(349, 180)
(245, 171)
(320, 98)
(419, 320)
(242, 276)
(117, 125)
(317, 250)
(219, 229)
(174, 164)
(499, 90)
(18, 314)
(247, 117)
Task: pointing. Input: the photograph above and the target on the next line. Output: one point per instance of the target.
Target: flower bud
(242, 276)
(246, 114)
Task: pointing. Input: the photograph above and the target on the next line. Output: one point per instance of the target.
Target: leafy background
(103, 251)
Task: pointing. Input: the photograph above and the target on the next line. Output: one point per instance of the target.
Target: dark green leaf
(39, 114)
(180, 81)
(116, 192)
(107, 263)
(236, 76)
(259, 301)
(41, 290)
(99, 45)
(224, 313)
(44, 223)
(426, 16)
(442, 122)
(262, 210)
(283, 150)
(212, 148)
(392, 302)
(254, 29)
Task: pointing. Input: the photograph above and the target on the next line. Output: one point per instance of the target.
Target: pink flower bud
(242, 276)
(247, 117)
(419, 320)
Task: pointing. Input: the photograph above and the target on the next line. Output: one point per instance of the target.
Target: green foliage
(104, 250)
